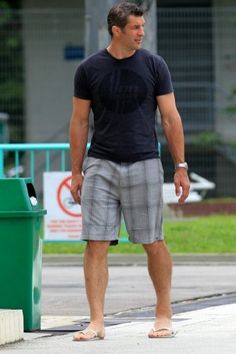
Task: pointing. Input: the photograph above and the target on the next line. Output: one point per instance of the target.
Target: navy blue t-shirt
(123, 99)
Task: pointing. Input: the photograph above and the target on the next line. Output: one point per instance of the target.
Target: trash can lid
(17, 194)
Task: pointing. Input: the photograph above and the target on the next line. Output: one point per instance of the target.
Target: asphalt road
(130, 289)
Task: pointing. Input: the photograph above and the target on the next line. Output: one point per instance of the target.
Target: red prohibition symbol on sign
(66, 203)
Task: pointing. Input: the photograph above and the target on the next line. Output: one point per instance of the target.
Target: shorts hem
(97, 238)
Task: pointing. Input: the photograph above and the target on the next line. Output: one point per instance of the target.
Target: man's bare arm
(78, 133)
(173, 130)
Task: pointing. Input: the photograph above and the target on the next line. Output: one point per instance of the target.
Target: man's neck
(118, 52)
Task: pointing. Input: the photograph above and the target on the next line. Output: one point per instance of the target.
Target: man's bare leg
(96, 280)
(160, 270)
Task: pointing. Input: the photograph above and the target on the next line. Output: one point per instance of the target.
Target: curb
(141, 259)
(11, 326)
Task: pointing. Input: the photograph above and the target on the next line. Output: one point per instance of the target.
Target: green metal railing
(17, 149)
(46, 148)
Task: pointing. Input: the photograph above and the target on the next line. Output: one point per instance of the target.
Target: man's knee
(97, 248)
(155, 247)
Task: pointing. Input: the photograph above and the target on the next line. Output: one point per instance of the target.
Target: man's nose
(141, 31)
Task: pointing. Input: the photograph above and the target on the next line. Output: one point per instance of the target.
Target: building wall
(48, 74)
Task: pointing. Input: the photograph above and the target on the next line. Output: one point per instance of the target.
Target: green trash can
(21, 249)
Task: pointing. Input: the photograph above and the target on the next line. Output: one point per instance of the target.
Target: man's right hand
(76, 186)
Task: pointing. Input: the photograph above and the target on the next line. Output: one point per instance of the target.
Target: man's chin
(138, 45)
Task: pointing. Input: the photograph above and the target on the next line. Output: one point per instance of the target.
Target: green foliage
(231, 108)
(233, 90)
(206, 138)
(10, 89)
(5, 13)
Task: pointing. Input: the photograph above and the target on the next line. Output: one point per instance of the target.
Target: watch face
(181, 164)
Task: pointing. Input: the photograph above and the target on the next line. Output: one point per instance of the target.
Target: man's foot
(162, 329)
(89, 334)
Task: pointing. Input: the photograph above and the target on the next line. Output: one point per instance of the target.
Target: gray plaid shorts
(133, 189)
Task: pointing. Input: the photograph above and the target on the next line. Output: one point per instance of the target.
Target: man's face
(132, 34)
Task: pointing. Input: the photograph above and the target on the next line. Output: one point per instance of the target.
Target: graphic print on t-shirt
(122, 91)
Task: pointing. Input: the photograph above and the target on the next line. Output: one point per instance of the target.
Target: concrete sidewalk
(207, 331)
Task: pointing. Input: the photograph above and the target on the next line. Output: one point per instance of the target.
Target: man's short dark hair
(118, 14)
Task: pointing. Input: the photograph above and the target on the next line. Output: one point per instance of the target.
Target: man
(123, 85)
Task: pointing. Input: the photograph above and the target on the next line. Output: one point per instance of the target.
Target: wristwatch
(181, 165)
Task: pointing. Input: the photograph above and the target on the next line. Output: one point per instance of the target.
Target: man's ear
(116, 31)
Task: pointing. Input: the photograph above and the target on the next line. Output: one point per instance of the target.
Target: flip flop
(154, 330)
(94, 335)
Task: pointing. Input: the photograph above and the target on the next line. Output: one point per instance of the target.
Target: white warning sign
(63, 221)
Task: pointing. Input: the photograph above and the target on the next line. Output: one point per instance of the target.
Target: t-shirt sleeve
(81, 85)
(163, 83)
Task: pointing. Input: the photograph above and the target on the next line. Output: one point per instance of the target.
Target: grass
(212, 234)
